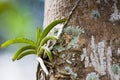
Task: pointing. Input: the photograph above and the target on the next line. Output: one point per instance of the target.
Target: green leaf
(44, 40)
(49, 54)
(28, 52)
(18, 40)
(40, 51)
(37, 34)
(21, 50)
(49, 27)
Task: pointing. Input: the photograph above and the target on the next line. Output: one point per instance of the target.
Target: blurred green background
(19, 18)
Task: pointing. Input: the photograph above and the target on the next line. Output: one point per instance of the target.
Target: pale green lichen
(59, 48)
(116, 69)
(73, 43)
(92, 76)
(75, 32)
(115, 16)
(73, 75)
(95, 14)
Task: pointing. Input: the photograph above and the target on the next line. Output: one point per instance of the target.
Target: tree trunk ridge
(90, 43)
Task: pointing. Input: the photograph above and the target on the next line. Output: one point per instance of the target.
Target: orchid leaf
(21, 50)
(18, 40)
(25, 53)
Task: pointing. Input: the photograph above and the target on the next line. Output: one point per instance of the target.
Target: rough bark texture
(101, 40)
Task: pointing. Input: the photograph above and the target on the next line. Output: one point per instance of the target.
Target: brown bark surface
(101, 28)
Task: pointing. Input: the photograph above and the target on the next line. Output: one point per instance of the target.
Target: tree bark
(89, 46)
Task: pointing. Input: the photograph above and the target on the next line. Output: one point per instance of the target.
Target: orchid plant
(35, 47)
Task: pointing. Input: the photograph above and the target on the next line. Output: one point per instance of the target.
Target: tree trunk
(89, 46)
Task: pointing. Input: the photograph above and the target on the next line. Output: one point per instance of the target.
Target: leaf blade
(44, 40)
(18, 40)
(49, 27)
(28, 52)
(37, 34)
(19, 51)
(49, 54)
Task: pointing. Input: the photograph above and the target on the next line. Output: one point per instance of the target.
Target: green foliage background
(16, 20)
